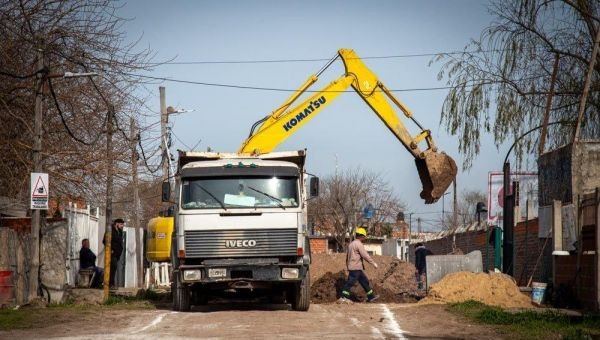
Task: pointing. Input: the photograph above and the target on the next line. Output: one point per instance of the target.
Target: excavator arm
(436, 170)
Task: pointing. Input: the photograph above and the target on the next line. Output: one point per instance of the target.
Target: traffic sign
(368, 211)
(39, 190)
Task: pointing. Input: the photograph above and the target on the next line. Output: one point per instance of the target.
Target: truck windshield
(239, 192)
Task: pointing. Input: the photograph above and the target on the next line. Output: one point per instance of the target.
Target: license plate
(217, 272)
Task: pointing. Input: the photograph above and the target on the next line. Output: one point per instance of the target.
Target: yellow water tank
(158, 239)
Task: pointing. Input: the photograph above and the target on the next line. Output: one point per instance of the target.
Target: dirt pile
(394, 280)
(494, 289)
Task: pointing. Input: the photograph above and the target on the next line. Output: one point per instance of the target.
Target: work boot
(344, 301)
(372, 298)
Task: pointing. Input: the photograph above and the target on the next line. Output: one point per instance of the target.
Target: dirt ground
(495, 289)
(394, 280)
(251, 321)
(390, 318)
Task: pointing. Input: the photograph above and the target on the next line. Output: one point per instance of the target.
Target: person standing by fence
(116, 248)
(420, 264)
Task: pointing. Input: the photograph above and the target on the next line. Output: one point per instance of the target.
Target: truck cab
(241, 226)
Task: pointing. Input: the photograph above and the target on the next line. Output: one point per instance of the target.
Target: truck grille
(240, 243)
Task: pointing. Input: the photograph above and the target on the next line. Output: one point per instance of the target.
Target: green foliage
(10, 319)
(500, 86)
(531, 324)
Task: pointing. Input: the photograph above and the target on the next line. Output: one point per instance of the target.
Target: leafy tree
(501, 85)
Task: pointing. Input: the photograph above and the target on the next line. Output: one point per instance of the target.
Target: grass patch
(34, 317)
(530, 324)
(10, 319)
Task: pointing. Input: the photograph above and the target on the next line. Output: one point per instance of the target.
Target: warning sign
(39, 190)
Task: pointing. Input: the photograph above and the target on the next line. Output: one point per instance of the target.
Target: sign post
(39, 191)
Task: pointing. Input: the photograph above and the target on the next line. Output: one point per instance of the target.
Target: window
(239, 192)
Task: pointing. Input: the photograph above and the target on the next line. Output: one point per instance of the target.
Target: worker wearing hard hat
(354, 261)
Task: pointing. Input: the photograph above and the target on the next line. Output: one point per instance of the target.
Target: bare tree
(465, 210)
(70, 36)
(343, 196)
(501, 85)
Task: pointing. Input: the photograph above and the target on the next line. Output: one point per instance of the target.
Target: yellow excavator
(436, 169)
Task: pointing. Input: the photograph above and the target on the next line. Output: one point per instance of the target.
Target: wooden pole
(109, 193)
(36, 219)
(548, 106)
(136, 203)
(586, 87)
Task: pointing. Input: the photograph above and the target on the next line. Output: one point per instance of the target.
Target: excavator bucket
(436, 171)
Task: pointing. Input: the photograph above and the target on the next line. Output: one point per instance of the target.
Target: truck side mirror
(314, 186)
(166, 191)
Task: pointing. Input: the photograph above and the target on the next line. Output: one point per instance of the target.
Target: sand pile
(494, 289)
(394, 280)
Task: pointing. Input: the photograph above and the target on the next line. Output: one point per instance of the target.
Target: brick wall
(527, 250)
(584, 286)
(318, 245)
(528, 247)
(465, 242)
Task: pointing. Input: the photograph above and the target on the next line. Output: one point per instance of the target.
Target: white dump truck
(240, 226)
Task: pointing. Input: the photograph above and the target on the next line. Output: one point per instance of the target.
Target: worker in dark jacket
(420, 264)
(87, 260)
(116, 248)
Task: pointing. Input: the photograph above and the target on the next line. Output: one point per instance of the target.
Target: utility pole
(136, 203)
(164, 120)
(37, 167)
(454, 205)
(109, 194)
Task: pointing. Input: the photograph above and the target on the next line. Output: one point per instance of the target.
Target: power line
(271, 88)
(192, 82)
(270, 61)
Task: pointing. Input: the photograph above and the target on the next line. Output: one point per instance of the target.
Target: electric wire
(64, 122)
(258, 88)
(271, 61)
(145, 159)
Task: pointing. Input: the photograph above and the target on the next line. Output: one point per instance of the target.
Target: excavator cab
(436, 171)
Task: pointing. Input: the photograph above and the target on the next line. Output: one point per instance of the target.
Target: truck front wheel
(181, 294)
(300, 297)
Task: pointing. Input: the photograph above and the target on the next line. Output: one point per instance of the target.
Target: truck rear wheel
(181, 294)
(300, 298)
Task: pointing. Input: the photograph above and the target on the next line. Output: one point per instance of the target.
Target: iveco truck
(240, 227)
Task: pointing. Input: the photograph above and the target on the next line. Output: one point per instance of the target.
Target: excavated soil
(494, 289)
(393, 281)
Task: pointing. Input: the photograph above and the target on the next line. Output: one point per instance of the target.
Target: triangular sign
(40, 188)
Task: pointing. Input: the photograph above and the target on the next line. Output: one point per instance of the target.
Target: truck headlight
(289, 273)
(191, 275)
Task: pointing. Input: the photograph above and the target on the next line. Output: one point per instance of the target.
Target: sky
(346, 134)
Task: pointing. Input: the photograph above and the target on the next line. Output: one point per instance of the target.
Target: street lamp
(481, 208)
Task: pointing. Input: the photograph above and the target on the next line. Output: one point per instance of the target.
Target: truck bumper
(223, 273)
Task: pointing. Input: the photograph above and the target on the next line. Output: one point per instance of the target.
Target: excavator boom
(436, 169)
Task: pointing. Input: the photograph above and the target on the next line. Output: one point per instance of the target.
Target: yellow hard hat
(361, 231)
